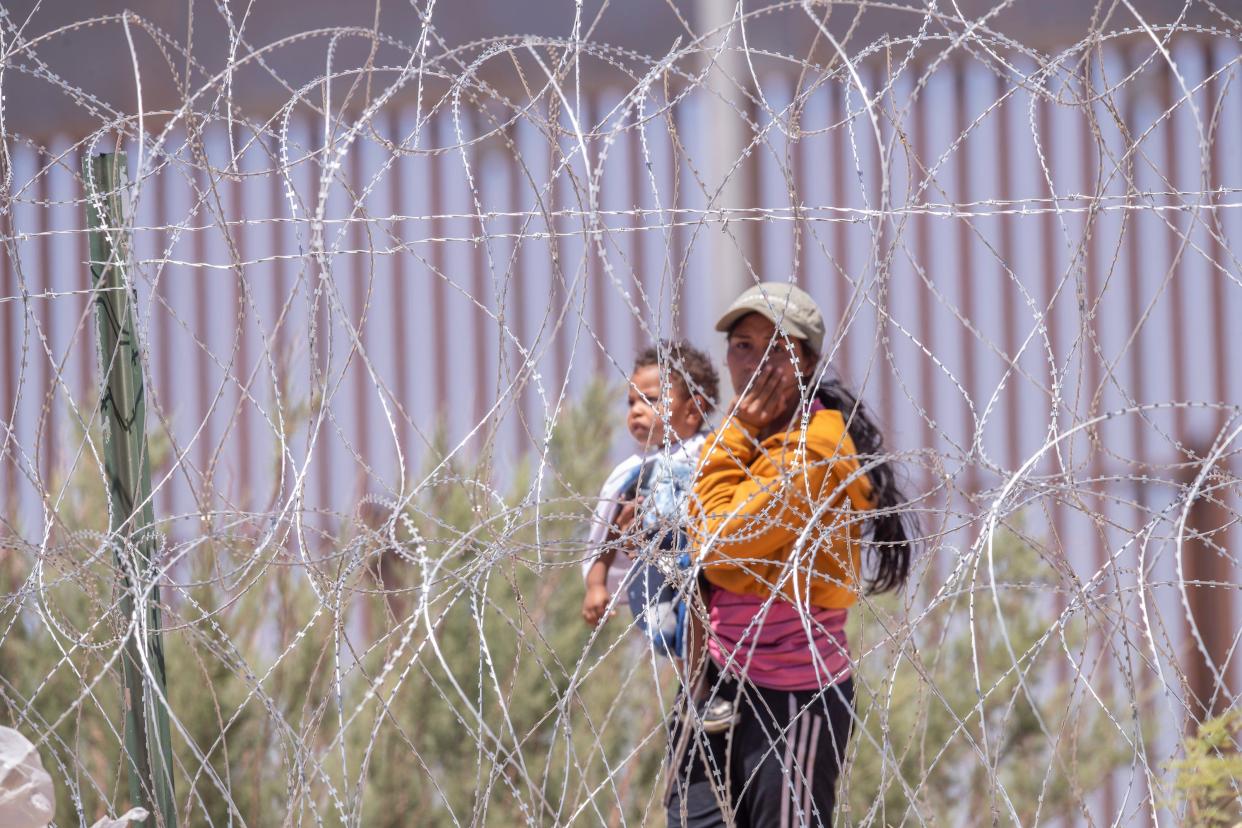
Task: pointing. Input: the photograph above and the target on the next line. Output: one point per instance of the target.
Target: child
(644, 502)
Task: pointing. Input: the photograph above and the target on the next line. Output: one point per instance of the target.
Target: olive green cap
(790, 308)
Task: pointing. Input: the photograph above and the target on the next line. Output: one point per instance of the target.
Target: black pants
(776, 767)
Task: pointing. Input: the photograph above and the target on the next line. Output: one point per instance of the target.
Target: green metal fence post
(148, 744)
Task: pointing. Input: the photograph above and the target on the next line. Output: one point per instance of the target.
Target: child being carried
(643, 508)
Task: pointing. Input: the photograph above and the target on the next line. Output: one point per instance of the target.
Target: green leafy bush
(1208, 780)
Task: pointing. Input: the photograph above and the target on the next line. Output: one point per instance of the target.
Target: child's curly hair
(692, 369)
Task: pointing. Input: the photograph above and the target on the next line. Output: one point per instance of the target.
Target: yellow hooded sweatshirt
(753, 502)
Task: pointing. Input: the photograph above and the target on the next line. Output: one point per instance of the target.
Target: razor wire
(386, 325)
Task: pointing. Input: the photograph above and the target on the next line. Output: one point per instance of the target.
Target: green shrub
(1208, 780)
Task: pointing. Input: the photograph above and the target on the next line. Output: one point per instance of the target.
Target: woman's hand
(771, 395)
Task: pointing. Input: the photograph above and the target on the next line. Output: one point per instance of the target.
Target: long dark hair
(892, 525)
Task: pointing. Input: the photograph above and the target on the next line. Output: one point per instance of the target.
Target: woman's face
(749, 350)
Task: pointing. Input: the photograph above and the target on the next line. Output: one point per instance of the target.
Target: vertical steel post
(148, 746)
(718, 24)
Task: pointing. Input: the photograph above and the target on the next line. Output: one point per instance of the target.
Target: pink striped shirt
(773, 650)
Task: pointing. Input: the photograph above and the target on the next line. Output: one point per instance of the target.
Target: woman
(789, 487)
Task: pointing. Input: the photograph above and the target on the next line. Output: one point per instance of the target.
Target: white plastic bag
(27, 799)
(123, 821)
